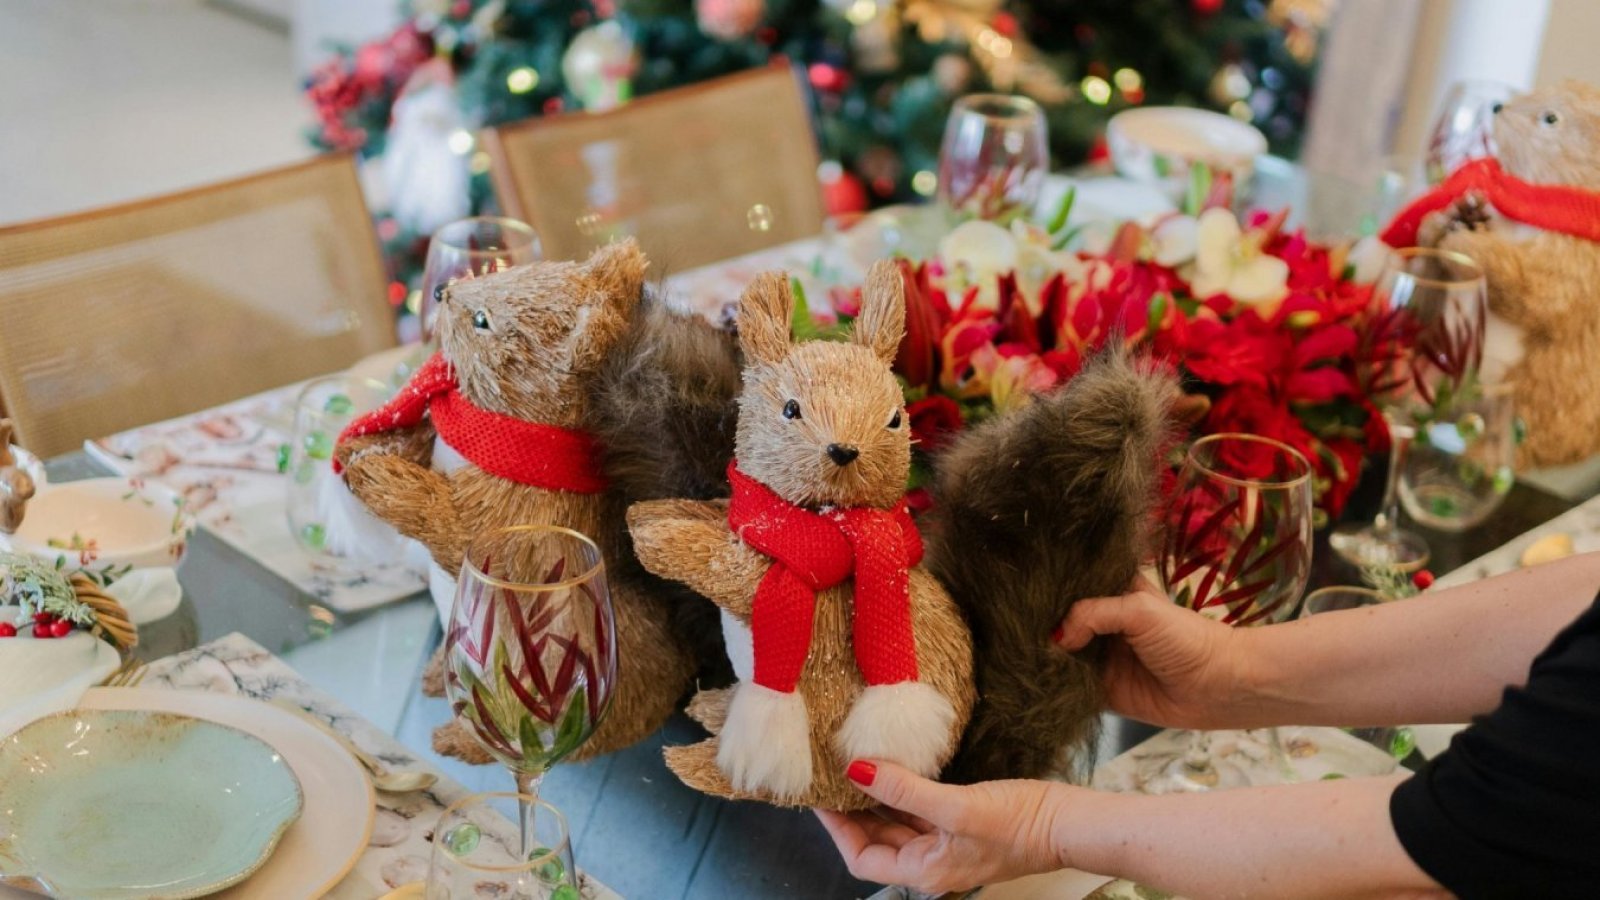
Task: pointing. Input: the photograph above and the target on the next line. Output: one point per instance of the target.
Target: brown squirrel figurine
(1541, 279)
(844, 646)
(16, 485)
(559, 351)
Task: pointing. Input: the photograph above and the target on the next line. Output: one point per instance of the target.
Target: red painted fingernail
(861, 772)
(1060, 634)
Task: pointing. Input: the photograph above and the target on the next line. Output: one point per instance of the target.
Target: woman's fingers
(899, 788)
(1107, 615)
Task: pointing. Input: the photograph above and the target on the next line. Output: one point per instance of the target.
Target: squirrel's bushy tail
(665, 407)
(1034, 510)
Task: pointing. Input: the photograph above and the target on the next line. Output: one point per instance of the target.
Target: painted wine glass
(1464, 128)
(531, 648)
(468, 248)
(1425, 339)
(474, 857)
(1236, 546)
(994, 157)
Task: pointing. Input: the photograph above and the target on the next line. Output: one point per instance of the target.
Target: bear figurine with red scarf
(1530, 218)
(849, 637)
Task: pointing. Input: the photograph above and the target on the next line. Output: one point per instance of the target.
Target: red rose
(935, 421)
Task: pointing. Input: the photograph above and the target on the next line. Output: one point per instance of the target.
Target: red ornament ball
(1005, 23)
(60, 628)
(1206, 7)
(553, 106)
(7, 629)
(844, 194)
(1099, 151)
(1422, 580)
(825, 77)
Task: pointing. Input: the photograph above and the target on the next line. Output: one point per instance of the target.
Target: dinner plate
(321, 848)
(125, 804)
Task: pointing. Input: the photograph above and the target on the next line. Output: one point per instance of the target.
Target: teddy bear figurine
(16, 485)
(1530, 219)
(845, 641)
(499, 429)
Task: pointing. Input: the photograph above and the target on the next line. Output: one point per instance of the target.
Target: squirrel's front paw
(909, 723)
(765, 744)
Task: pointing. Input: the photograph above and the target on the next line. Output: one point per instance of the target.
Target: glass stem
(527, 787)
(1400, 437)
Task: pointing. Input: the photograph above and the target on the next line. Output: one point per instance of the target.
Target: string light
(522, 80)
(925, 183)
(1096, 90)
(1128, 80)
(1241, 110)
(461, 142)
(480, 163)
(861, 12)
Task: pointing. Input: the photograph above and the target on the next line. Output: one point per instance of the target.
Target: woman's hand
(1163, 665)
(939, 837)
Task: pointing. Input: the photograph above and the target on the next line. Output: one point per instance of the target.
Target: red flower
(935, 420)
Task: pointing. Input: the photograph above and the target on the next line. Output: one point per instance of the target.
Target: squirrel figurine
(16, 485)
(849, 638)
(499, 429)
(1530, 219)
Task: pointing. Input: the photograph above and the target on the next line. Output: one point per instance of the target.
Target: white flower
(977, 252)
(1227, 261)
(1175, 240)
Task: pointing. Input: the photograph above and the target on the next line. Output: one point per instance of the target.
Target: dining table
(242, 626)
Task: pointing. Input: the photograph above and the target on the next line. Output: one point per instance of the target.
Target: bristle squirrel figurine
(1530, 219)
(16, 485)
(844, 645)
(495, 430)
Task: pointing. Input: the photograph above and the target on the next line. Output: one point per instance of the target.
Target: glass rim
(551, 854)
(1439, 254)
(505, 223)
(1010, 107)
(1305, 464)
(591, 572)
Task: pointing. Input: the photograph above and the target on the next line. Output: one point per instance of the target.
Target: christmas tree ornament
(1530, 219)
(843, 194)
(729, 20)
(599, 66)
(424, 165)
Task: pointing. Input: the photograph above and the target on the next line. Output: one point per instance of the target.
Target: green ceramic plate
(114, 804)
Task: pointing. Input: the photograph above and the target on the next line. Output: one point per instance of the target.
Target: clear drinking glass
(1236, 547)
(467, 248)
(1461, 464)
(476, 855)
(1463, 130)
(329, 527)
(1426, 335)
(531, 649)
(1397, 741)
(994, 157)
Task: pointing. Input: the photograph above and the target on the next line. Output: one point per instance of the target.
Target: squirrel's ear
(764, 311)
(882, 322)
(619, 269)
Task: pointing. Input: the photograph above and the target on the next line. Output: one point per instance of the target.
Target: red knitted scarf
(1553, 207)
(557, 459)
(815, 551)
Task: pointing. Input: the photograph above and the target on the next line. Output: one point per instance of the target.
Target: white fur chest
(445, 458)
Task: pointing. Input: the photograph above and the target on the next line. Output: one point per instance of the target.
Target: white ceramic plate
(129, 804)
(319, 850)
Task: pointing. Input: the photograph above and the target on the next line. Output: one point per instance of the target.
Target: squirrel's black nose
(842, 454)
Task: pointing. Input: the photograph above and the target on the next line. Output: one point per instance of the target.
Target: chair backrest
(698, 174)
(136, 313)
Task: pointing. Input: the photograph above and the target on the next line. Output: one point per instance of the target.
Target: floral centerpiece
(1271, 333)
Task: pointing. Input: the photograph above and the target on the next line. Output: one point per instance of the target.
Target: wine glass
(1425, 338)
(474, 857)
(1461, 464)
(467, 248)
(994, 157)
(1396, 741)
(531, 647)
(1464, 129)
(1236, 547)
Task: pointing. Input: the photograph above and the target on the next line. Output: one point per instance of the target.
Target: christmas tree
(883, 74)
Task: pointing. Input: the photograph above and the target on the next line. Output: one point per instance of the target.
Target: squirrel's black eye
(895, 421)
(791, 410)
(480, 320)
(1551, 118)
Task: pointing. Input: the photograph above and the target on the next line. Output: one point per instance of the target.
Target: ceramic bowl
(1160, 144)
(114, 804)
(105, 526)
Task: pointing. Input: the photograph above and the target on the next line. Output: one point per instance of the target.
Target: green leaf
(573, 727)
(1199, 188)
(1059, 220)
(800, 321)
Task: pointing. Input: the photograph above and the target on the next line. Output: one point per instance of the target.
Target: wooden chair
(136, 313)
(698, 174)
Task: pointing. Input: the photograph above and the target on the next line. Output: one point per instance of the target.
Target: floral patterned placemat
(399, 850)
(224, 462)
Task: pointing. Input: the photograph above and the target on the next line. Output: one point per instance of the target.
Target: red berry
(60, 628)
(41, 630)
(44, 617)
(7, 629)
(1423, 579)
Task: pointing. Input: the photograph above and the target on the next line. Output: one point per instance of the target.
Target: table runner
(398, 853)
